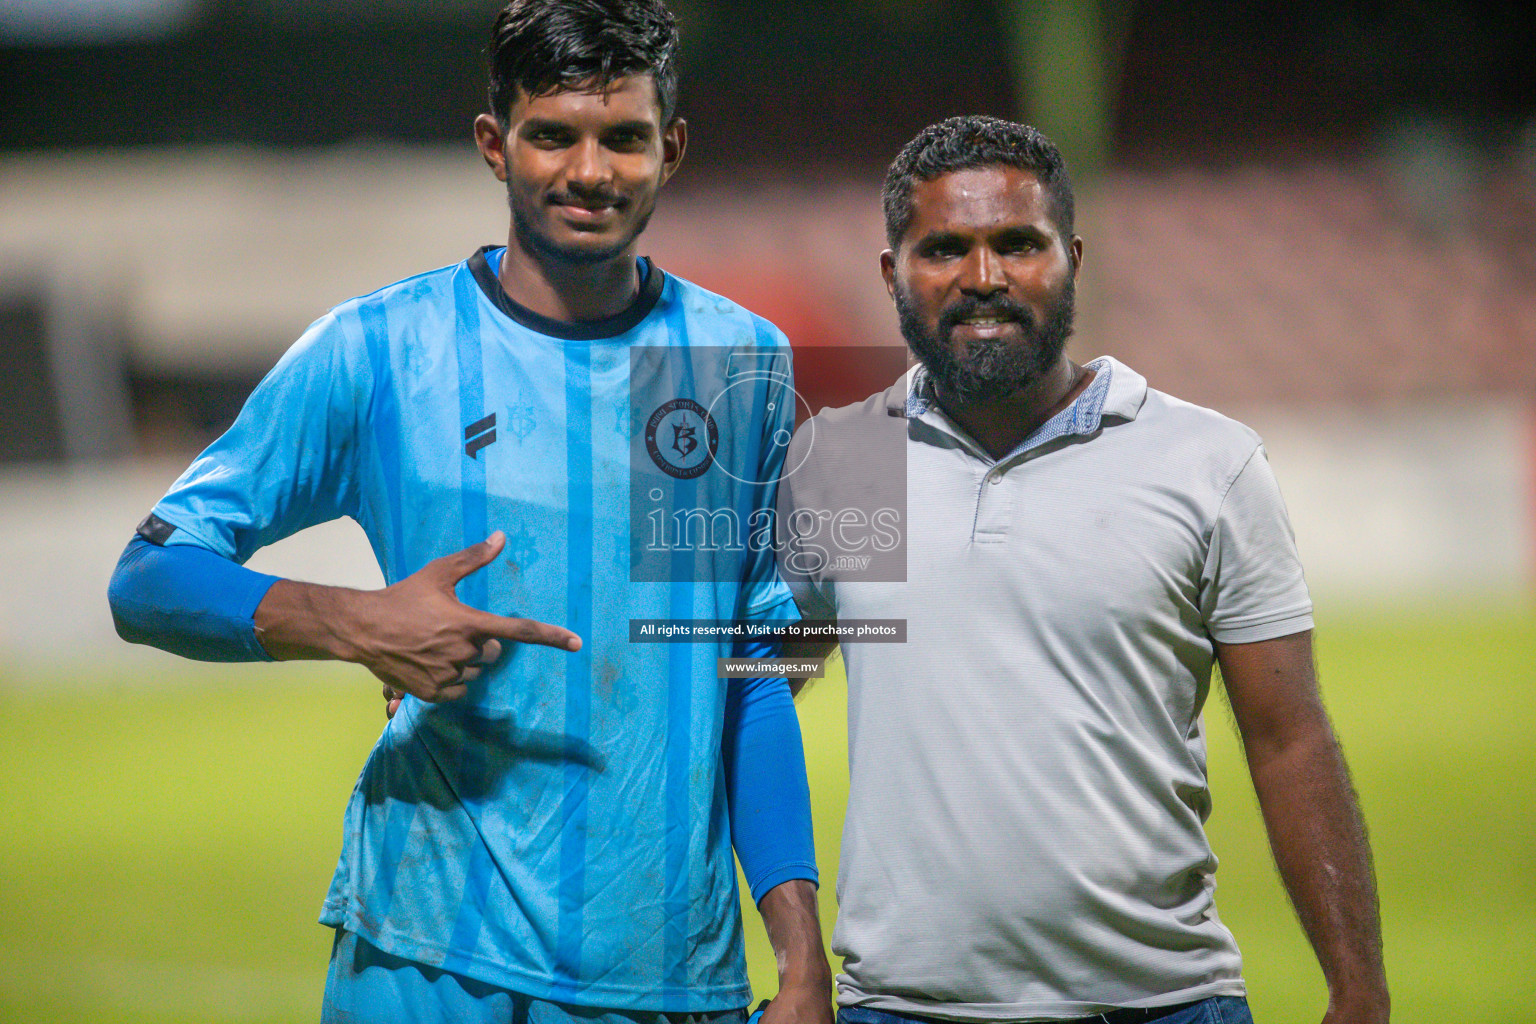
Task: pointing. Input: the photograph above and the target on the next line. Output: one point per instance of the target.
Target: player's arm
(795, 569)
(766, 789)
(770, 812)
(414, 635)
(1313, 818)
(290, 461)
(805, 979)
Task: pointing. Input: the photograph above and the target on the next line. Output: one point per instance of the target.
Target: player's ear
(888, 271)
(1076, 252)
(674, 142)
(491, 140)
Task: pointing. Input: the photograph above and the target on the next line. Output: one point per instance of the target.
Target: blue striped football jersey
(562, 831)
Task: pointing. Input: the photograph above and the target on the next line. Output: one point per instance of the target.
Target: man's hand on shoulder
(416, 636)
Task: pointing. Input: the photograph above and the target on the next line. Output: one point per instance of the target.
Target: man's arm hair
(1312, 815)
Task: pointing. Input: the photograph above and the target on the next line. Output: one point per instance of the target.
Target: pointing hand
(424, 641)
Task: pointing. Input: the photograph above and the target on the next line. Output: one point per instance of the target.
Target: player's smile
(984, 328)
(586, 214)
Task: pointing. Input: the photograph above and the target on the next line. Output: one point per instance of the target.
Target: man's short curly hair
(544, 45)
(961, 143)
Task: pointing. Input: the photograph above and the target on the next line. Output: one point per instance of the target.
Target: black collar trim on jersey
(582, 330)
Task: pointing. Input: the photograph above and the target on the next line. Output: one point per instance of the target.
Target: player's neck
(569, 292)
(1000, 425)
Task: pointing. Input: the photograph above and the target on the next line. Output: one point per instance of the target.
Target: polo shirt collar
(1117, 391)
(1127, 388)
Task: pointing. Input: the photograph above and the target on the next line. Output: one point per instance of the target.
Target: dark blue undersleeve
(188, 601)
(770, 799)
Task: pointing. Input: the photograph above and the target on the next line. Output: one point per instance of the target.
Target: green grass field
(166, 846)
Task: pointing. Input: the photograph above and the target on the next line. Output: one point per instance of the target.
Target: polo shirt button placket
(989, 526)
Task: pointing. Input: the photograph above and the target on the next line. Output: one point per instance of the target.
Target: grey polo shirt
(1028, 786)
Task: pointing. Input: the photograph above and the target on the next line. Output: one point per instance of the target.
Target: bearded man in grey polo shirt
(1028, 788)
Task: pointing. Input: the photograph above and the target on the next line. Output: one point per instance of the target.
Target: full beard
(989, 368)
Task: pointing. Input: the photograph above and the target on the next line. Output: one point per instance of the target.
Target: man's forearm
(770, 813)
(794, 930)
(765, 782)
(307, 621)
(193, 602)
(1315, 827)
(1320, 846)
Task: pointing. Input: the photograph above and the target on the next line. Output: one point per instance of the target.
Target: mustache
(585, 197)
(1000, 306)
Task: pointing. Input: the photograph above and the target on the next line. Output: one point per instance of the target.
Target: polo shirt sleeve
(1252, 587)
(288, 461)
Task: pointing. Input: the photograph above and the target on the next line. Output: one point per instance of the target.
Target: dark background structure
(786, 85)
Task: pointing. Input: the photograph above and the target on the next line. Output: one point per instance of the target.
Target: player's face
(983, 282)
(583, 168)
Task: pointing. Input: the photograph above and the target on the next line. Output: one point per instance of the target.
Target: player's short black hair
(961, 143)
(544, 45)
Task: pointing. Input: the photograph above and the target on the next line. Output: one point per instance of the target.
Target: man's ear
(1076, 251)
(674, 142)
(491, 140)
(888, 271)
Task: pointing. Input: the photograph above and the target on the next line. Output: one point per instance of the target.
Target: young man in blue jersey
(543, 831)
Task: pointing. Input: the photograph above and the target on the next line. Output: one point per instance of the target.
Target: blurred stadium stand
(1315, 283)
(63, 395)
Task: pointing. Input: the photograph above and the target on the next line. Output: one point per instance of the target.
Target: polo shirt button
(995, 477)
